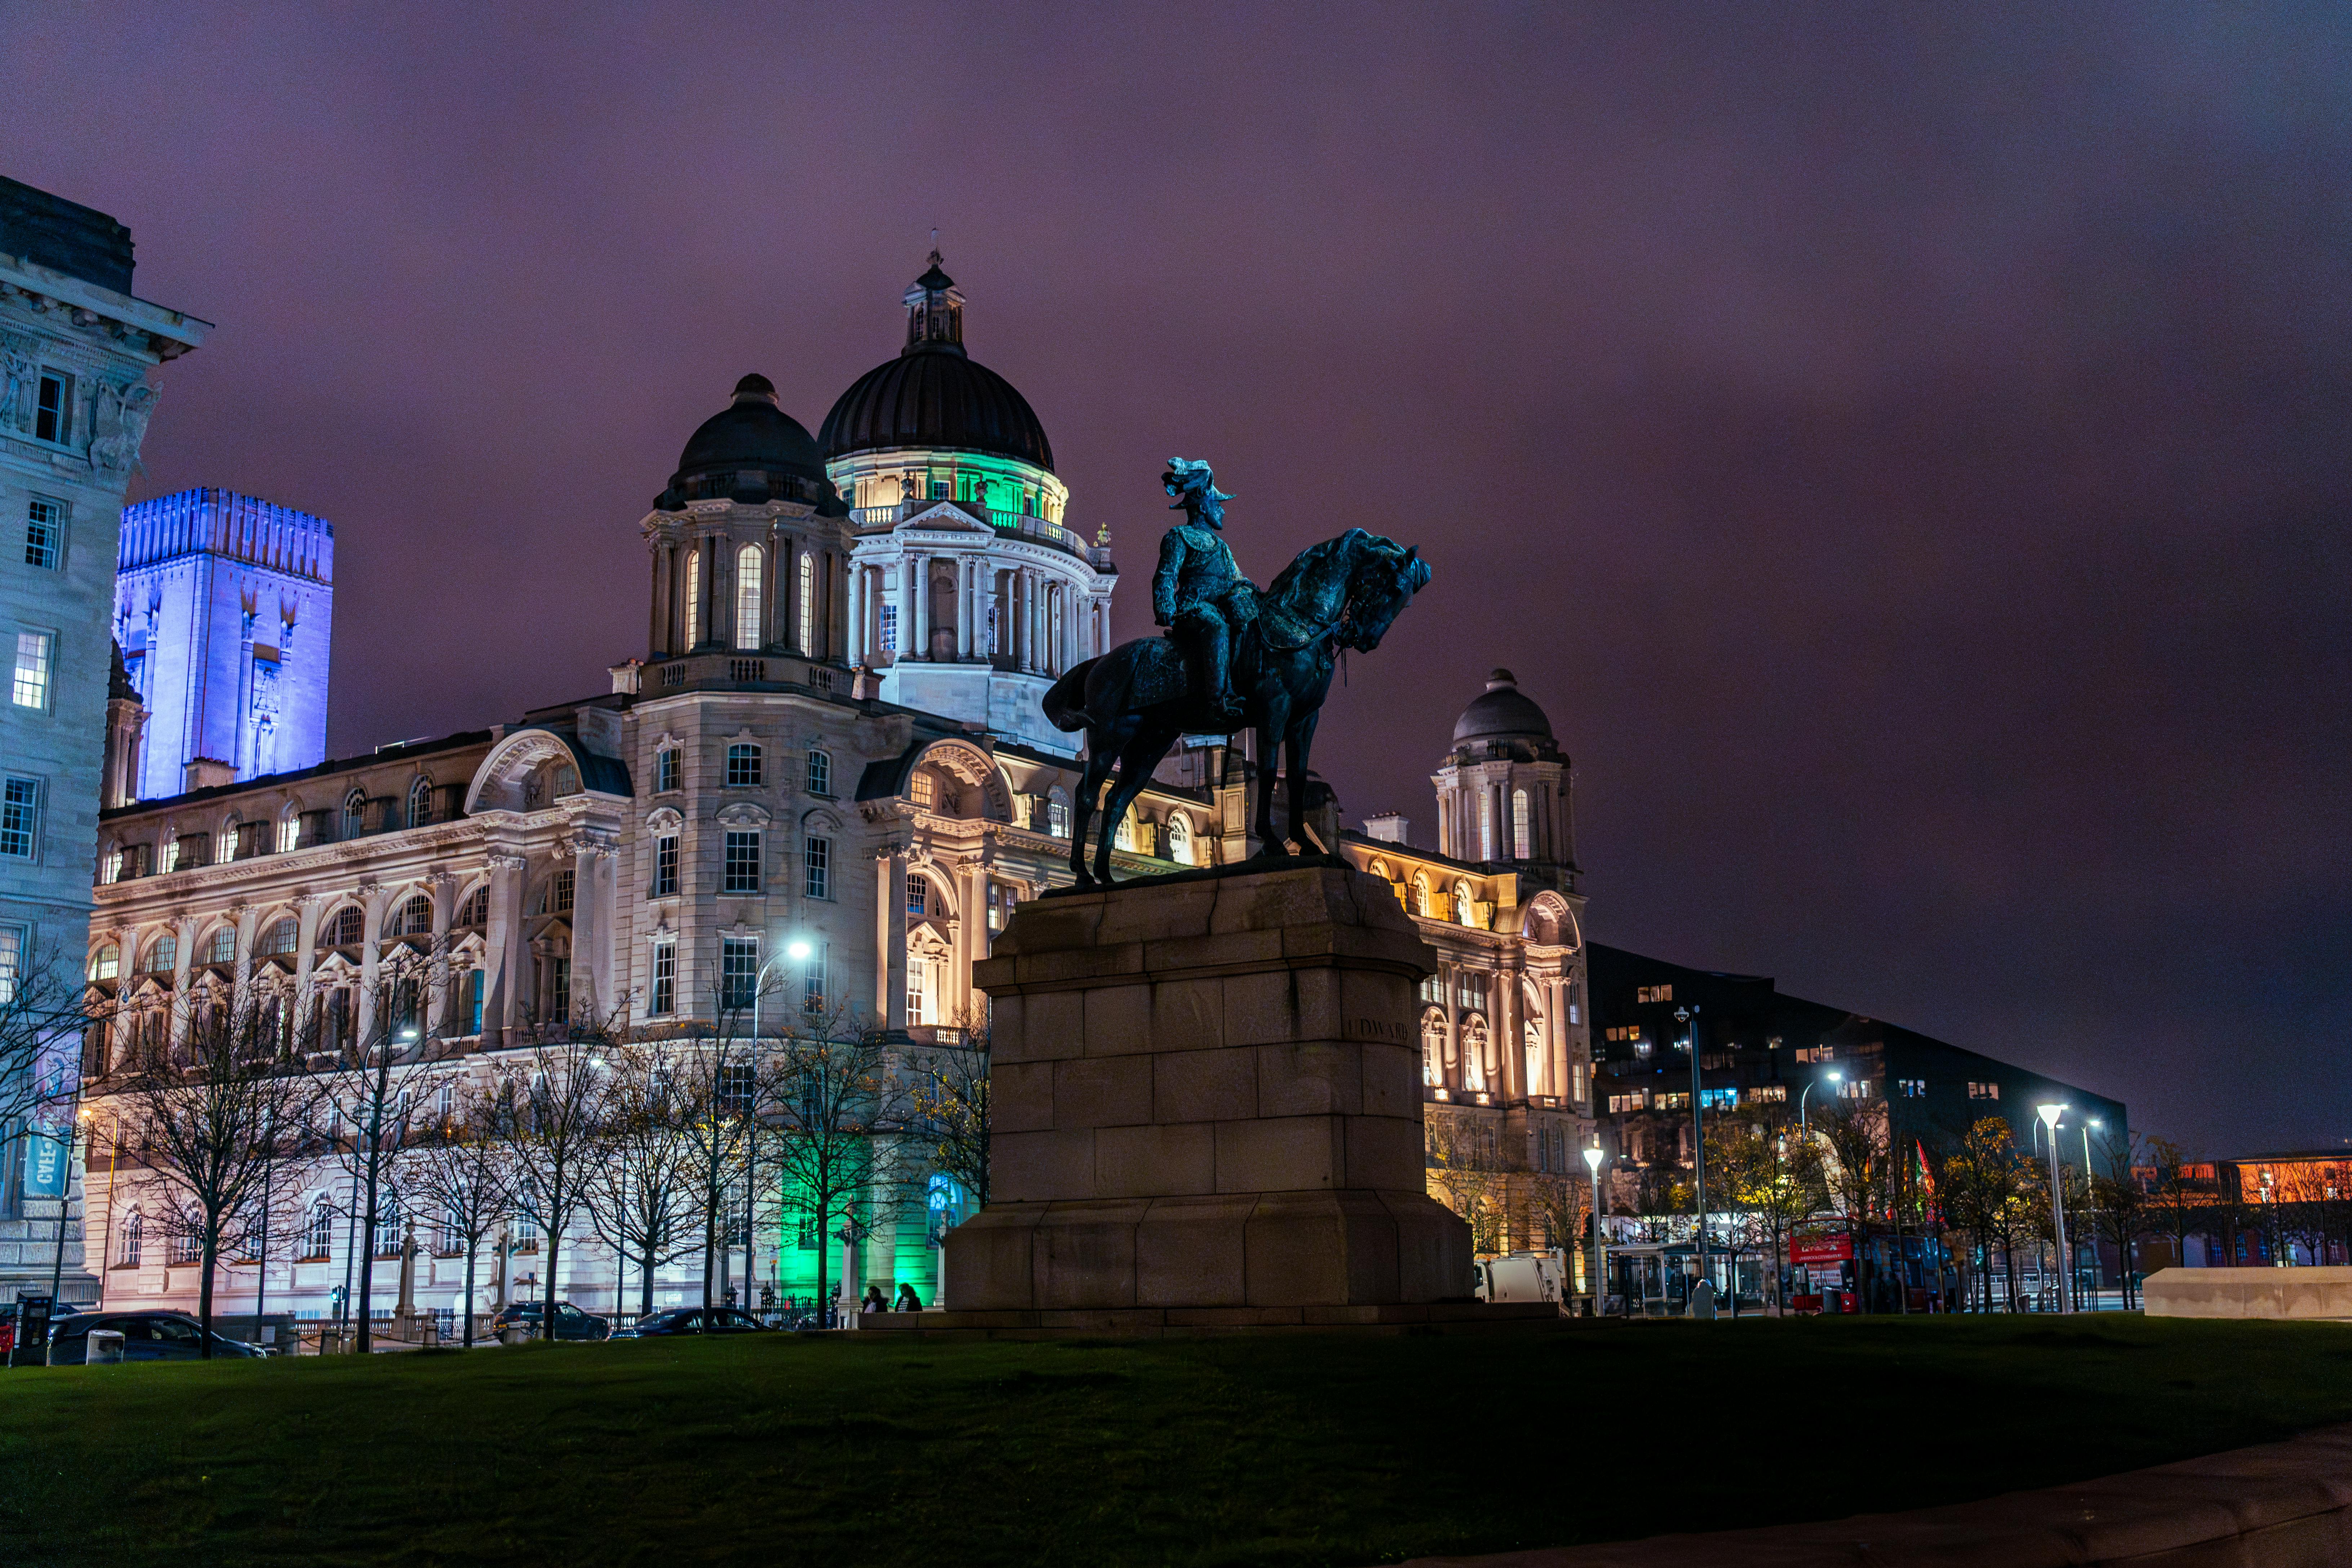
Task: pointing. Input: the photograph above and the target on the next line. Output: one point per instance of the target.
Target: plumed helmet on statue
(1194, 487)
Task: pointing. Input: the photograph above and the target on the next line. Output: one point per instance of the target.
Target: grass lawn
(785, 1449)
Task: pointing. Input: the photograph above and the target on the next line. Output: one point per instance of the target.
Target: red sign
(1821, 1250)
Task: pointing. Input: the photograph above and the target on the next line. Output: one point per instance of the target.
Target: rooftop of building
(395, 751)
(64, 237)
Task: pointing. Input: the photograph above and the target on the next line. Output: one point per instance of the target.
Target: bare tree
(1772, 1173)
(714, 1105)
(463, 1166)
(554, 1101)
(1467, 1168)
(2173, 1192)
(951, 1109)
(843, 1116)
(642, 1195)
(209, 1125)
(2119, 1205)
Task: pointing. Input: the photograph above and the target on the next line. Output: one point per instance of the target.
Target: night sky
(1905, 450)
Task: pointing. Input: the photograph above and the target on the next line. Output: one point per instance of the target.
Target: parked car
(570, 1322)
(1521, 1276)
(692, 1320)
(146, 1336)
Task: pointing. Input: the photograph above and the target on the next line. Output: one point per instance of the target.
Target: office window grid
(20, 814)
(742, 871)
(666, 865)
(816, 861)
(665, 988)
(739, 971)
(45, 533)
(743, 769)
(31, 687)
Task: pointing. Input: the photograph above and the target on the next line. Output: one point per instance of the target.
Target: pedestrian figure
(875, 1301)
(1702, 1300)
(907, 1300)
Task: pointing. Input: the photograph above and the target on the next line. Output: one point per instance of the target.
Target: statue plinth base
(1206, 1109)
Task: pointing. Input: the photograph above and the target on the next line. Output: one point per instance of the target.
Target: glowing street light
(2049, 1114)
(1835, 1077)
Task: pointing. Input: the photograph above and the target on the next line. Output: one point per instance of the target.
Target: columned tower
(1504, 791)
(968, 591)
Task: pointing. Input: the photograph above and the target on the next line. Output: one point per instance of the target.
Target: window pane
(32, 684)
(19, 811)
(747, 598)
(43, 533)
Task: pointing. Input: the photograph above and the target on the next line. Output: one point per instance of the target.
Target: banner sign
(46, 1164)
(1821, 1250)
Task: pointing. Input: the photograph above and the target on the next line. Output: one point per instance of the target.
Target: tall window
(742, 862)
(164, 956)
(808, 602)
(693, 596)
(747, 598)
(349, 928)
(813, 980)
(739, 971)
(559, 891)
(222, 949)
(888, 641)
(744, 765)
(45, 533)
(281, 939)
(475, 983)
(319, 1236)
(289, 831)
(1057, 813)
(917, 977)
(387, 1226)
(1522, 828)
(53, 407)
(12, 960)
(1465, 909)
(1485, 825)
(104, 965)
(20, 816)
(1180, 838)
(476, 909)
(134, 1231)
(820, 772)
(918, 889)
(818, 860)
(34, 650)
(420, 802)
(560, 972)
(664, 996)
(666, 865)
(354, 815)
(666, 769)
(415, 917)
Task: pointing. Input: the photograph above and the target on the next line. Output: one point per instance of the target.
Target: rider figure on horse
(1198, 592)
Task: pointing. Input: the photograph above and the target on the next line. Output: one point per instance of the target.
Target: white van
(1521, 1276)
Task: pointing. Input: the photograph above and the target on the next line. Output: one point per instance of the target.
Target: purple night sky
(1906, 453)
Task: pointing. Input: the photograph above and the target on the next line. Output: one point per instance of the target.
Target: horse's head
(1193, 490)
(1384, 581)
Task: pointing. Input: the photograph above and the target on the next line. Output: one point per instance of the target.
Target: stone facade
(76, 349)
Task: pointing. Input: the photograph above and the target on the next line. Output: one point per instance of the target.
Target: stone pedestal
(1206, 1098)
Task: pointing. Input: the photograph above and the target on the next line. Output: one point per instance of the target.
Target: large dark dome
(1501, 713)
(750, 451)
(934, 394)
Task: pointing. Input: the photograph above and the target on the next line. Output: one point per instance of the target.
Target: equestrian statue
(1233, 657)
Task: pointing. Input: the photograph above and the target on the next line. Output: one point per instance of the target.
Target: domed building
(967, 591)
(1503, 796)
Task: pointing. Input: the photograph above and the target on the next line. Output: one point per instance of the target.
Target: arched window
(319, 1235)
(289, 830)
(134, 1231)
(1420, 893)
(414, 918)
(744, 765)
(354, 813)
(808, 602)
(164, 956)
(1522, 828)
(1464, 910)
(420, 802)
(820, 772)
(476, 909)
(387, 1225)
(693, 604)
(1433, 1049)
(281, 938)
(222, 948)
(1485, 825)
(1125, 837)
(347, 929)
(1057, 812)
(1180, 838)
(747, 598)
(106, 962)
(918, 894)
(1473, 1052)
(564, 779)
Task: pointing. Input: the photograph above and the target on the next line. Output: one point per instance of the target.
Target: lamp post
(1592, 1158)
(1835, 1077)
(1687, 1018)
(2089, 1123)
(2049, 1114)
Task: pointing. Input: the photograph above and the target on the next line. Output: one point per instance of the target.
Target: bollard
(104, 1347)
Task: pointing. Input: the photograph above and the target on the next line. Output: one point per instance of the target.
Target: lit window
(817, 860)
(1620, 1103)
(1057, 818)
(739, 971)
(45, 533)
(1180, 838)
(693, 595)
(742, 863)
(1644, 995)
(475, 984)
(666, 865)
(743, 768)
(12, 960)
(1522, 834)
(223, 947)
(420, 802)
(820, 772)
(1768, 1094)
(1465, 909)
(1674, 1099)
(106, 962)
(1485, 825)
(917, 972)
(666, 769)
(20, 809)
(813, 980)
(665, 997)
(1814, 1055)
(1717, 1098)
(1984, 1091)
(1913, 1087)
(281, 938)
(1854, 1089)
(290, 832)
(32, 684)
(888, 642)
(807, 601)
(925, 791)
(350, 928)
(1420, 893)
(747, 598)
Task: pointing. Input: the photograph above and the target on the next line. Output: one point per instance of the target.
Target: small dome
(750, 450)
(1501, 713)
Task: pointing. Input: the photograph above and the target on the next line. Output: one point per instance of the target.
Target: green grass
(780, 1449)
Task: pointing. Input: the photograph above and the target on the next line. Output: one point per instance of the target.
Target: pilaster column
(897, 598)
(1456, 1072)
(437, 1000)
(891, 938)
(964, 574)
(1511, 1049)
(371, 958)
(502, 943)
(306, 946)
(241, 987)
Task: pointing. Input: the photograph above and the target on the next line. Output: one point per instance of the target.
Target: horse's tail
(1065, 700)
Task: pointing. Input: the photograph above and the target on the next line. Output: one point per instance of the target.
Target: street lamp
(1835, 1077)
(2049, 1114)
(2089, 1123)
(1592, 1158)
(1687, 1017)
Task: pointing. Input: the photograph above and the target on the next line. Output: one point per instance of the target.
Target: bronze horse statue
(1135, 700)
